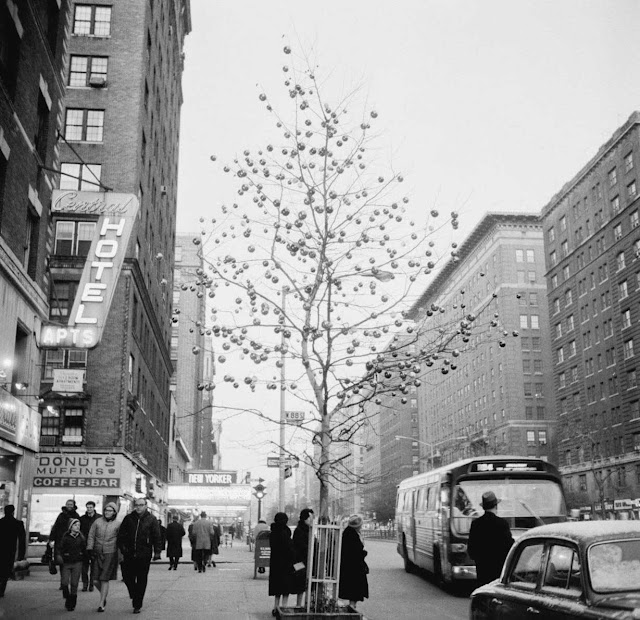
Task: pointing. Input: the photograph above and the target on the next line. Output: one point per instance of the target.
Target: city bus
(434, 510)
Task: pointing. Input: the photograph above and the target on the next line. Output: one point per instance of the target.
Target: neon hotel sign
(116, 216)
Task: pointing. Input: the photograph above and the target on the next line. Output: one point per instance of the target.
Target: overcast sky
(485, 105)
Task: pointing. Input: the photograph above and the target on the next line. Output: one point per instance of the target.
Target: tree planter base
(300, 613)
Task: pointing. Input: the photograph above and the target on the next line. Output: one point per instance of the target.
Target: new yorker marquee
(116, 216)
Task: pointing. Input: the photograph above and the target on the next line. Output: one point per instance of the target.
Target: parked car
(567, 570)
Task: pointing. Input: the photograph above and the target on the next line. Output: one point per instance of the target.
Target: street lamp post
(259, 493)
(431, 446)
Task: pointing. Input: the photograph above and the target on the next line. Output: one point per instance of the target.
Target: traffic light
(259, 491)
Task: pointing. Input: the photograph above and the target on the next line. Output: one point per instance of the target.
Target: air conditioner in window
(97, 81)
(163, 189)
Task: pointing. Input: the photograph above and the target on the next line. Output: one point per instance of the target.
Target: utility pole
(283, 386)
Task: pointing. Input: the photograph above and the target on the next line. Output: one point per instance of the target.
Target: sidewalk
(227, 592)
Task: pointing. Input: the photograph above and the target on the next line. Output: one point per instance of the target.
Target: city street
(229, 592)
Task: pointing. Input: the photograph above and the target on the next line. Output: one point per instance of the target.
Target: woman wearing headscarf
(301, 553)
(281, 561)
(353, 585)
(72, 549)
(101, 545)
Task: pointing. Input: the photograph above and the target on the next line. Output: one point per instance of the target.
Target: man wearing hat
(489, 540)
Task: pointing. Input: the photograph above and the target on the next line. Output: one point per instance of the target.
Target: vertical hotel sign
(116, 216)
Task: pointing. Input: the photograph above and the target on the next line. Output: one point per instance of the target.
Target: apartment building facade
(33, 39)
(592, 239)
(119, 135)
(497, 399)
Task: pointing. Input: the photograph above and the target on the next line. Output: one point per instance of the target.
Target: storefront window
(7, 479)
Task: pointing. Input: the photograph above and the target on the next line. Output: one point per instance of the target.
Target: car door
(513, 598)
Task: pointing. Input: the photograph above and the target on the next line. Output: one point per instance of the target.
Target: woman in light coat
(102, 545)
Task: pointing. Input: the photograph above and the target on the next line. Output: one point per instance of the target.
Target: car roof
(585, 532)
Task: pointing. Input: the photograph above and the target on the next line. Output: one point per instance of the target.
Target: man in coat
(489, 540)
(201, 538)
(12, 537)
(175, 534)
(138, 540)
(86, 521)
(60, 527)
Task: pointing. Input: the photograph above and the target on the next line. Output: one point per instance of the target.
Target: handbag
(47, 556)
(53, 570)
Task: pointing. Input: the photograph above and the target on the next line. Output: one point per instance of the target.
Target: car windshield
(615, 566)
(524, 503)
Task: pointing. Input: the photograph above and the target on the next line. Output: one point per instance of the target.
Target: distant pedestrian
(215, 544)
(60, 527)
(353, 585)
(175, 534)
(138, 541)
(12, 540)
(192, 540)
(103, 550)
(201, 534)
(489, 540)
(301, 553)
(281, 561)
(86, 521)
(163, 537)
(72, 548)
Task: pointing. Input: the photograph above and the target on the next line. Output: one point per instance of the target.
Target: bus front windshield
(524, 503)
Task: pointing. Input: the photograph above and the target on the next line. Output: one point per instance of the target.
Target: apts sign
(116, 215)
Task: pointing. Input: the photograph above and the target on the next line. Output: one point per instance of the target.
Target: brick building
(498, 400)
(33, 37)
(120, 133)
(592, 238)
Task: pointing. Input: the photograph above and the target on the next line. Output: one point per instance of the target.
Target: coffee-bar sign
(78, 471)
(211, 478)
(116, 217)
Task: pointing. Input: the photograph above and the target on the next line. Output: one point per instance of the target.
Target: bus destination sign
(504, 466)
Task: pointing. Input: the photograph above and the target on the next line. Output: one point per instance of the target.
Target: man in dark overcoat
(489, 540)
(12, 538)
(86, 521)
(175, 534)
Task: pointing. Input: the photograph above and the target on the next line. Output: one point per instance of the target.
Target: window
(73, 424)
(564, 247)
(563, 568)
(90, 19)
(9, 50)
(535, 321)
(560, 355)
(626, 318)
(570, 323)
(88, 71)
(524, 321)
(519, 256)
(566, 273)
(553, 257)
(31, 237)
(83, 177)
(526, 366)
(554, 280)
(613, 177)
(632, 190)
(84, 125)
(531, 438)
(63, 358)
(551, 235)
(50, 426)
(533, 299)
(617, 232)
(61, 296)
(556, 306)
(521, 277)
(628, 162)
(615, 205)
(542, 438)
(537, 366)
(568, 297)
(572, 348)
(628, 349)
(558, 330)
(73, 238)
(620, 261)
(132, 366)
(530, 256)
(536, 343)
(563, 223)
(632, 379)
(42, 134)
(623, 289)
(528, 391)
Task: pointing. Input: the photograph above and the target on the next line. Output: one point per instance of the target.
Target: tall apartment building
(191, 352)
(33, 37)
(592, 235)
(108, 437)
(497, 400)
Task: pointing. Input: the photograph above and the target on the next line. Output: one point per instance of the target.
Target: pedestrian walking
(301, 553)
(175, 534)
(215, 545)
(489, 540)
(353, 585)
(192, 540)
(12, 545)
(103, 550)
(86, 521)
(138, 541)
(60, 527)
(281, 561)
(71, 551)
(202, 532)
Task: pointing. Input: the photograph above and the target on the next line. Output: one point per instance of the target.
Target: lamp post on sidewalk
(431, 446)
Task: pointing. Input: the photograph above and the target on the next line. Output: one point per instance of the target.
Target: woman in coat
(175, 534)
(301, 553)
(72, 549)
(103, 537)
(353, 569)
(281, 561)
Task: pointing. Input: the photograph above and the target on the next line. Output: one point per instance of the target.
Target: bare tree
(320, 263)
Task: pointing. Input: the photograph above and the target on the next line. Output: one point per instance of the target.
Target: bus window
(420, 500)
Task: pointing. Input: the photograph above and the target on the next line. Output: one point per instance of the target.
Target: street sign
(294, 417)
(291, 461)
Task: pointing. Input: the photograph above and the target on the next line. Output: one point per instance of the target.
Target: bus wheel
(408, 564)
(438, 577)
